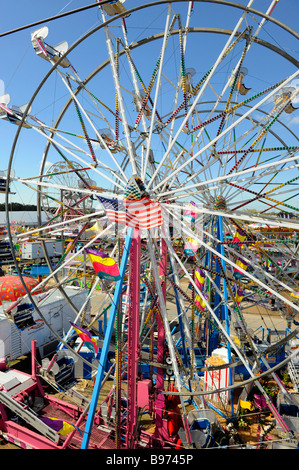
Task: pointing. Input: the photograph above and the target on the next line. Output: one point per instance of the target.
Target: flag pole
(107, 340)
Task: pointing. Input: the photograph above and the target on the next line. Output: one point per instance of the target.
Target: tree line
(17, 206)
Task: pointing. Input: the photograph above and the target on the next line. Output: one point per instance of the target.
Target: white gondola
(13, 114)
(21, 315)
(2, 182)
(47, 52)
(108, 137)
(240, 87)
(189, 74)
(3, 179)
(282, 96)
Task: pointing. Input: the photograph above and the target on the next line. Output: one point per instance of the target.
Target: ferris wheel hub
(220, 203)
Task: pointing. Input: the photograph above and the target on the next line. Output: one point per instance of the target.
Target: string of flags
(87, 338)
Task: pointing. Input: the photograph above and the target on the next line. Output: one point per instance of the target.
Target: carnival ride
(179, 161)
(60, 175)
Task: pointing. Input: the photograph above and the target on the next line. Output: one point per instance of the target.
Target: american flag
(142, 214)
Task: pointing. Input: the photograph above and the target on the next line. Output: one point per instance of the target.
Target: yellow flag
(246, 405)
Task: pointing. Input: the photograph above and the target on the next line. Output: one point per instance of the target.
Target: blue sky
(22, 71)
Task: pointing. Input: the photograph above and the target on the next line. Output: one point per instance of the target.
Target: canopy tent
(11, 287)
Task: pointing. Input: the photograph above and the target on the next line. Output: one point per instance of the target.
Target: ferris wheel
(60, 176)
(184, 154)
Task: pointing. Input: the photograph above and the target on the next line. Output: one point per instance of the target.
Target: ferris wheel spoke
(178, 153)
(135, 74)
(223, 299)
(257, 269)
(230, 127)
(96, 101)
(221, 179)
(194, 103)
(62, 224)
(207, 166)
(157, 74)
(265, 196)
(274, 206)
(182, 311)
(189, 233)
(80, 109)
(215, 318)
(56, 186)
(236, 71)
(100, 139)
(270, 172)
(261, 134)
(166, 322)
(196, 88)
(130, 148)
(158, 67)
(236, 75)
(195, 174)
(67, 150)
(188, 159)
(63, 205)
(252, 218)
(210, 144)
(99, 165)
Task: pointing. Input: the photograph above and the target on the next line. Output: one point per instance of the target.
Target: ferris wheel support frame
(107, 340)
(158, 287)
(219, 225)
